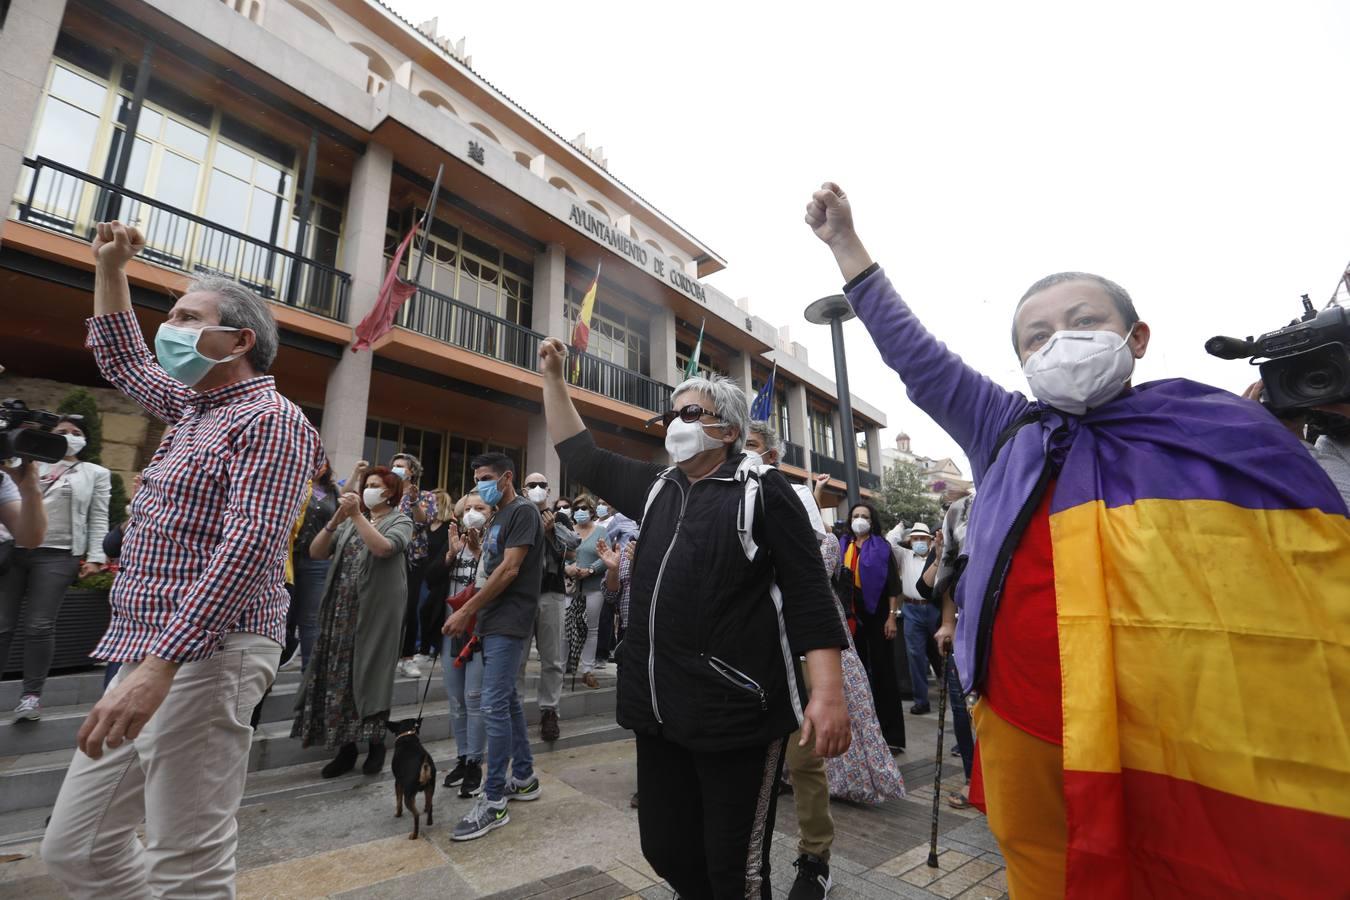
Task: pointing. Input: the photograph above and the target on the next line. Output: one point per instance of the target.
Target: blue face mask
(176, 350)
(581, 517)
(400, 472)
(490, 491)
(602, 511)
(920, 547)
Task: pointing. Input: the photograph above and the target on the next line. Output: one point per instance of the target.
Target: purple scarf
(873, 561)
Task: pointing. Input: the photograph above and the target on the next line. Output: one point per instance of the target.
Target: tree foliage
(82, 403)
(906, 498)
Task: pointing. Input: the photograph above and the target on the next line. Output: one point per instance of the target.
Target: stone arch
(379, 73)
(523, 158)
(562, 185)
(311, 13)
(438, 101)
(485, 130)
(654, 245)
(598, 208)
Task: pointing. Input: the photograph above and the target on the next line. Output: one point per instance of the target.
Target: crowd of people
(755, 646)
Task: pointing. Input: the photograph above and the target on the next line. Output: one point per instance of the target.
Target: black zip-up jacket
(710, 657)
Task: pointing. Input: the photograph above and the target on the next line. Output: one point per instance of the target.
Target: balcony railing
(454, 322)
(836, 469)
(69, 201)
(794, 455)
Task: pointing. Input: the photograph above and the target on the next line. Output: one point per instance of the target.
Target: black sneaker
(813, 878)
(919, 709)
(343, 763)
(548, 725)
(472, 785)
(456, 775)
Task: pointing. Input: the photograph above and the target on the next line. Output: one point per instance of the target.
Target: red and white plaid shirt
(204, 551)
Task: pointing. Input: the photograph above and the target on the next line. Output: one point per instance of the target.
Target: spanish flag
(581, 333)
(1202, 577)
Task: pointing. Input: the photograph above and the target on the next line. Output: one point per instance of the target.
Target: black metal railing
(446, 319)
(64, 199)
(828, 464)
(794, 455)
(869, 480)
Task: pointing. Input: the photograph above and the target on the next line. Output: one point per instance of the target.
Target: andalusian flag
(1202, 579)
(691, 370)
(581, 333)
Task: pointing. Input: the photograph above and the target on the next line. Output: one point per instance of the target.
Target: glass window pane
(231, 160)
(188, 140)
(67, 134)
(431, 462)
(81, 91)
(139, 165)
(226, 200)
(262, 212)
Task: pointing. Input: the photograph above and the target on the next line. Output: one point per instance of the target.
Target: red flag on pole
(380, 320)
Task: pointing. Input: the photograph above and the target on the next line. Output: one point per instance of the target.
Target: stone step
(60, 723)
(33, 779)
(24, 824)
(79, 688)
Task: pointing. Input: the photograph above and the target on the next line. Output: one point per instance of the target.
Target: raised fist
(552, 354)
(115, 244)
(830, 215)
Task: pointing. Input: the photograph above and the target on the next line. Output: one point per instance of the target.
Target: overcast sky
(1197, 153)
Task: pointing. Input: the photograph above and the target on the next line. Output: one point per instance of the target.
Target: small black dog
(414, 771)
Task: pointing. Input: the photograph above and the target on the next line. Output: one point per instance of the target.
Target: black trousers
(878, 658)
(706, 819)
(410, 618)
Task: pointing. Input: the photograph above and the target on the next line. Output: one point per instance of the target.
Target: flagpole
(426, 221)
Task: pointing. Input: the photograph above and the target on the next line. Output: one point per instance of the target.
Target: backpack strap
(1007, 434)
(657, 483)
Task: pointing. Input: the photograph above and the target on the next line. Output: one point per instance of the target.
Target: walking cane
(937, 776)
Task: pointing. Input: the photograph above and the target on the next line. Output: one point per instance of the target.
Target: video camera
(27, 433)
(1307, 362)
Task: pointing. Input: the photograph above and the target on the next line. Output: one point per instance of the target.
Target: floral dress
(329, 713)
(867, 772)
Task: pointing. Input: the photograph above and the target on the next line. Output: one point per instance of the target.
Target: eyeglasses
(535, 484)
(690, 412)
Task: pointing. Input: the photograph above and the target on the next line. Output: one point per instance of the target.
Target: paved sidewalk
(578, 840)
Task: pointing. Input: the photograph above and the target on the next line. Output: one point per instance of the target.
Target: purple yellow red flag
(1202, 577)
(581, 333)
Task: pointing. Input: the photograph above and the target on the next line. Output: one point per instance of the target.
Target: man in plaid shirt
(199, 607)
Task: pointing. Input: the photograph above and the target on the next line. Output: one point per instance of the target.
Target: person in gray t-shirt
(513, 559)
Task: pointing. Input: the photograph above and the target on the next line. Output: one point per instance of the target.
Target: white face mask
(74, 444)
(373, 497)
(861, 526)
(474, 519)
(685, 440)
(1080, 370)
(537, 494)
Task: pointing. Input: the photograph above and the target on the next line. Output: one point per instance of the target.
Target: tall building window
(187, 155)
(616, 336)
(464, 267)
(822, 433)
(779, 418)
(685, 349)
(445, 458)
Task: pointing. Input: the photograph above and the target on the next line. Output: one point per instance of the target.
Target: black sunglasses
(535, 484)
(690, 412)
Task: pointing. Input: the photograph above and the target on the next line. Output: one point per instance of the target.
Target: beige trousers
(811, 795)
(183, 776)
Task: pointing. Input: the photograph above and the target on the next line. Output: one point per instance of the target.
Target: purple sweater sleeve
(967, 405)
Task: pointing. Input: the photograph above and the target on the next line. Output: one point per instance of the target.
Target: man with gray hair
(199, 607)
(726, 594)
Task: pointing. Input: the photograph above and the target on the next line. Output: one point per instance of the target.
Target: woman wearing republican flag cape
(1155, 607)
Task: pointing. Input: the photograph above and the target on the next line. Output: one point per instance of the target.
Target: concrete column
(800, 423)
(26, 45)
(743, 372)
(662, 336)
(541, 457)
(348, 394)
(550, 265)
(874, 461)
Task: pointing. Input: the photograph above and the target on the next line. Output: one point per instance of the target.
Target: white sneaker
(292, 664)
(421, 659)
(29, 709)
(409, 669)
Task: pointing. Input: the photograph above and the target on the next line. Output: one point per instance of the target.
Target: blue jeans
(921, 623)
(310, 577)
(504, 714)
(965, 738)
(464, 687)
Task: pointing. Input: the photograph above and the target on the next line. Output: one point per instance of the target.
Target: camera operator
(23, 519)
(1329, 426)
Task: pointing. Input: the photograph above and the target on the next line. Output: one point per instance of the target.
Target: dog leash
(435, 654)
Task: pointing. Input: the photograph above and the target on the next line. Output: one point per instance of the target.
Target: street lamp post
(835, 311)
